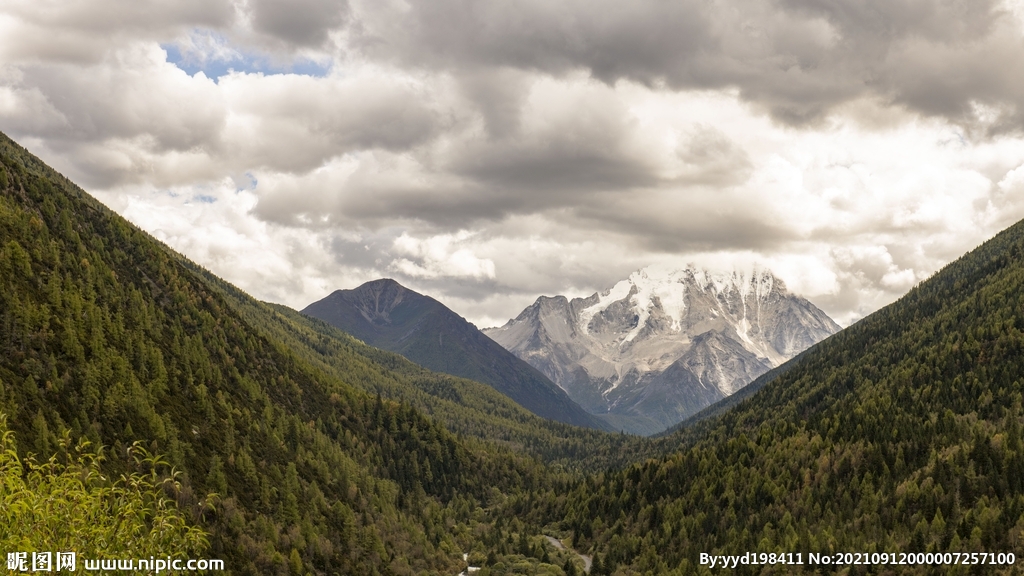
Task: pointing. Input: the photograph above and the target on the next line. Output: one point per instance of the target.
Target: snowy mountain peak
(665, 342)
(757, 281)
(662, 289)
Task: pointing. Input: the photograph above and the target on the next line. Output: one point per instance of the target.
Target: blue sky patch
(248, 182)
(212, 54)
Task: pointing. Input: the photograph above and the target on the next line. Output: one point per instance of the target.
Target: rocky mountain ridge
(664, 343)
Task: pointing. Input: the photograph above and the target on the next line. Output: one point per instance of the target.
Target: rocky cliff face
(663, 344)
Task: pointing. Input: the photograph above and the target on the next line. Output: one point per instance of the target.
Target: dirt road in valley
(587, 560)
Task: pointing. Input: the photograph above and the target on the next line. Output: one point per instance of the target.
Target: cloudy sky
(488, 151)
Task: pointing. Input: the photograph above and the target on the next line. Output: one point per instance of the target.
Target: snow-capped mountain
(664, 343)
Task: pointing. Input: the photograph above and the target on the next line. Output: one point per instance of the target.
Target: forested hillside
(463, 406)
(900, 434)
(106, 334)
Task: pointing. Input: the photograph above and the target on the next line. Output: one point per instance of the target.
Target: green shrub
(66, 504)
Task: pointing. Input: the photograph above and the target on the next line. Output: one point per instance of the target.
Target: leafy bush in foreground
(66, 504)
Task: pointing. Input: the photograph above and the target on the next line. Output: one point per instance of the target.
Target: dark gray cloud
(877, 22)
(83, 31)
(499, 95)
(694, 221)
(299, 122)
(712, 159)
(611, 38)
(585, 158)
(303, 23)
(370, 250)
(556, 173)
(796, 58)
(145, 15)
(142, 15)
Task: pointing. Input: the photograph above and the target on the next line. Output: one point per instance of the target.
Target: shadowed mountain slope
(387, 315)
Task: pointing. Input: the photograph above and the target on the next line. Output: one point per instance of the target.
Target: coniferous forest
(284, 446)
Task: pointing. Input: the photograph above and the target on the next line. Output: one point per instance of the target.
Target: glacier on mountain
(664, 343)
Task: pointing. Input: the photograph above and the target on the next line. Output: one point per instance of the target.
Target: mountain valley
(303, 450)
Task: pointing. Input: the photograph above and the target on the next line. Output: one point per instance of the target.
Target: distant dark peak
(387, 315)
(380, 286)
(376, 299)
